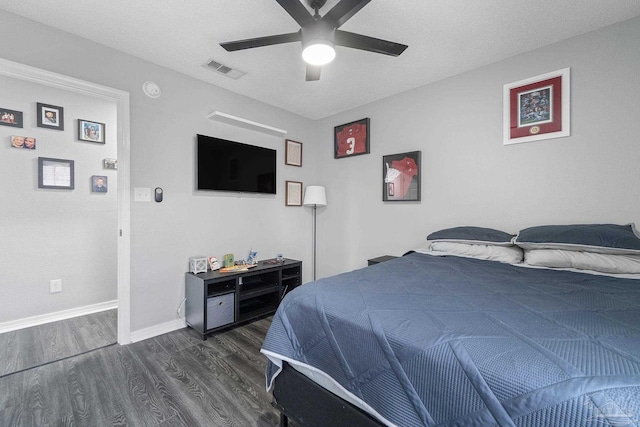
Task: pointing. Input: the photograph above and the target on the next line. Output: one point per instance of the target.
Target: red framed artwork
(537, 108)
(351, 139)
(401, 177)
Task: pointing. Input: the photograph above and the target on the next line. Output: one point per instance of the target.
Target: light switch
(141, 194)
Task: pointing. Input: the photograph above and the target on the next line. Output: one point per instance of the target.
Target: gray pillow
(600, 238)
(472, 235)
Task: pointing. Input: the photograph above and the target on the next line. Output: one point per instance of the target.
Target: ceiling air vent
(223, 69)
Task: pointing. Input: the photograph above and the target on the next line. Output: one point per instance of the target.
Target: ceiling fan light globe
(318, 52)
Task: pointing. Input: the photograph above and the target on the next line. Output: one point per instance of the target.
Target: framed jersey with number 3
(351, 139)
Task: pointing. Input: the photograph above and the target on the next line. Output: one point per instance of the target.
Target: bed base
(307, 404)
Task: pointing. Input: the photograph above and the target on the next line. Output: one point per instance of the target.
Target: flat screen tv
(225, 165)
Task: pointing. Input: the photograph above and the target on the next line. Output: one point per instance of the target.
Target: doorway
(120, 100)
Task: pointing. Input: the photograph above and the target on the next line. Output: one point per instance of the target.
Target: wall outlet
(55, 286)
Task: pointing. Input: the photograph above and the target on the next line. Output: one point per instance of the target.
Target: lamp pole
(314, 196)
(314, 241)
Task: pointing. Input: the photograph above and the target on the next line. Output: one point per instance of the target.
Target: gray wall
(469, 176)
(49, 233)
(164, 235)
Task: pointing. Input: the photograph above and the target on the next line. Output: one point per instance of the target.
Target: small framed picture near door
(91, 131)
(99, 184)
(401, 177)
(293, 194)
(50, 116)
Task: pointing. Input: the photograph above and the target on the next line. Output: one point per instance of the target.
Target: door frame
(121, 99)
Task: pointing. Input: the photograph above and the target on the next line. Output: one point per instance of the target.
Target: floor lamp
(314, 195)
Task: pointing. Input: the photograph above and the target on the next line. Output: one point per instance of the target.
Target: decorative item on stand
(252, 257)
(228, 260)
(213, 263)
(315, 195)
(198, 264)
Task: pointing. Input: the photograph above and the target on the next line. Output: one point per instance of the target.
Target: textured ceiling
(445, 37)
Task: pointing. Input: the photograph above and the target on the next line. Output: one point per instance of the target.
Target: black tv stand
(218, 300)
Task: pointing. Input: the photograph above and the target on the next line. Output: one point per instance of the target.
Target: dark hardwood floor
(38, 345)
(174, 379)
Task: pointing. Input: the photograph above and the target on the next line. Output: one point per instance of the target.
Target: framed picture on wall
(293, 194)
(50, 116)
(110, 163)
(99, 184)
(91, 131)
(28, 142)
(55, 173)
(537, 108)
(401, 177)
(11, 118)
(351, 139)
(293, 153)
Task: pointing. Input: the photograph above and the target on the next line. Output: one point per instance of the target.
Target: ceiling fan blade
(371, 44)
(313, 72)
(297, 11)
(261, 41)
(341, 12)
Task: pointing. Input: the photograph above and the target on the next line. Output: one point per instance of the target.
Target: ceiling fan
(320, 34)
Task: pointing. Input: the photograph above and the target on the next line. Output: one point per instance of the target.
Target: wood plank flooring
(174, 379)
(38, 345)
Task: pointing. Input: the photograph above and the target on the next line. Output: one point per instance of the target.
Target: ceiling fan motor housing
(318, 30)
(316, 4)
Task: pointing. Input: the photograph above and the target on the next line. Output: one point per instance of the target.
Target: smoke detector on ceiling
(151, 89)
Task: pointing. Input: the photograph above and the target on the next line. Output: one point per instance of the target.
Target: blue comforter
(430, 340)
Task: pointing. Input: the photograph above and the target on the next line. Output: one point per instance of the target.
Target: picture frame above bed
(401, 177)
(537, 108)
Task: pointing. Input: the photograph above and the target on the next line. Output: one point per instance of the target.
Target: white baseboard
(154, 331)
(28, 322)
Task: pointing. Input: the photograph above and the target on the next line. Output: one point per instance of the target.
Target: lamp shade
(315, 195)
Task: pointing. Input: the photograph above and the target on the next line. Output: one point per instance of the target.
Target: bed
(438, 338)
